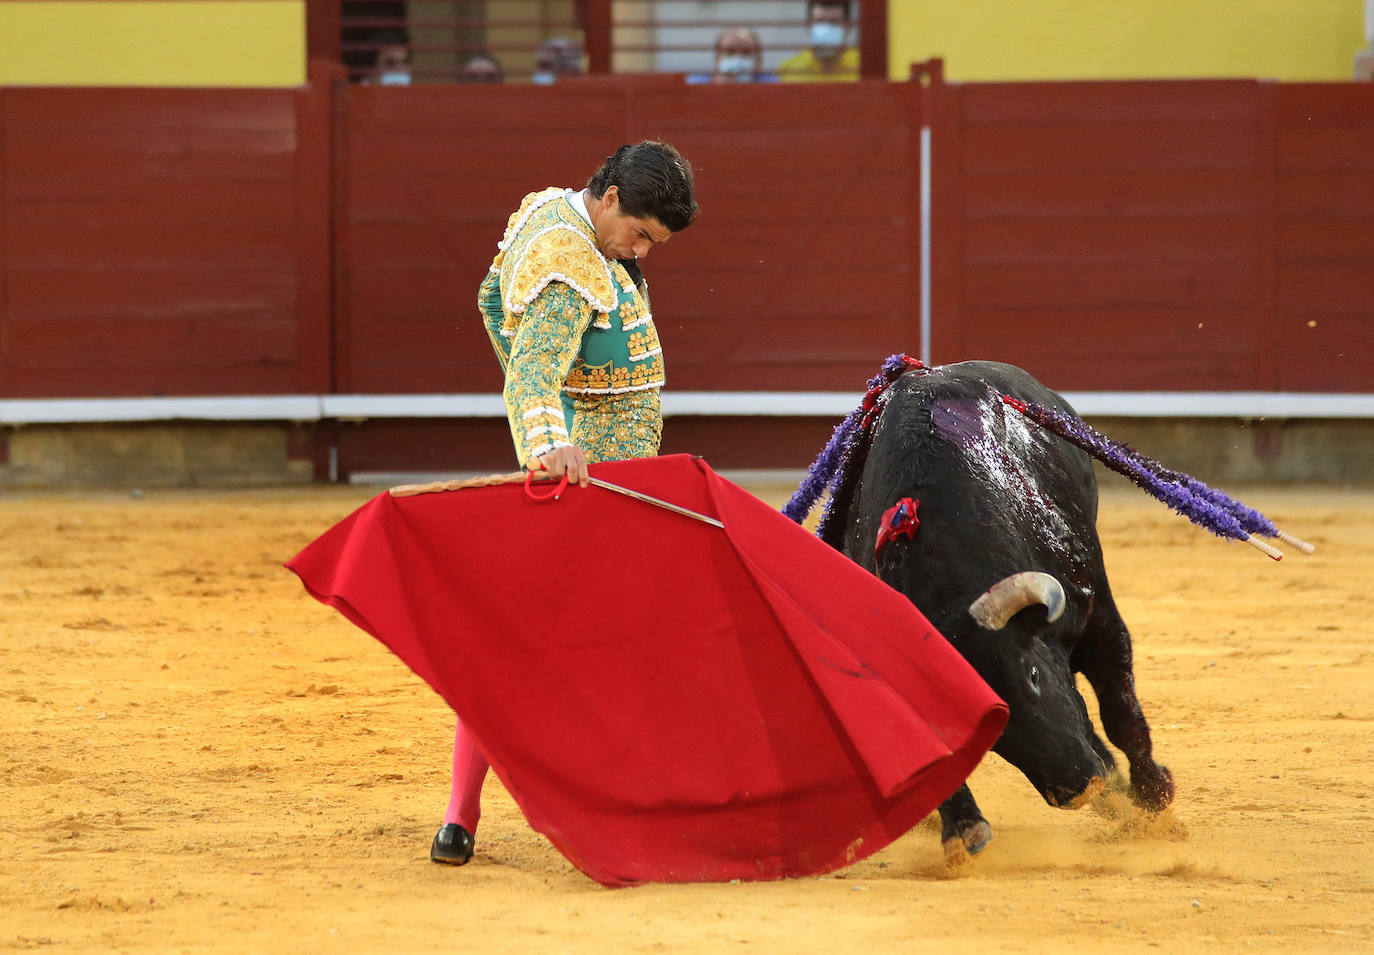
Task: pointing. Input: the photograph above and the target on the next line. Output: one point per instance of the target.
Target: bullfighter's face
(620, 236)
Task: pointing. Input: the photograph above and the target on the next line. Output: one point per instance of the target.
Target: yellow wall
(158, 43)
(1101, 39)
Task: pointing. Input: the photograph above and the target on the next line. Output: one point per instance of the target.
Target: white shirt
(578, 200)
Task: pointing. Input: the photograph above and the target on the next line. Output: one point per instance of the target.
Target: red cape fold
(666, 700)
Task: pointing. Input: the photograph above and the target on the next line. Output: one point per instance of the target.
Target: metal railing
(540, 41)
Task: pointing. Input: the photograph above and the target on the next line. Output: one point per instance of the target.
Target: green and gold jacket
(574, 336)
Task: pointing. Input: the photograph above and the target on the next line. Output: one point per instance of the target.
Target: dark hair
(847, 4)
(653, 182)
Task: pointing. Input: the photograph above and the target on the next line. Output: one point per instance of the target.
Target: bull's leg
(1104, 657)
(963, 830)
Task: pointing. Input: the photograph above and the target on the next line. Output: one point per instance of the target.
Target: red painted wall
(1151, 235)
(164, 242)
(798, 275)
(1159, 235)
(1324, 237)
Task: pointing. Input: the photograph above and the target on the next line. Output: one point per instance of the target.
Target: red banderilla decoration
(899, 520)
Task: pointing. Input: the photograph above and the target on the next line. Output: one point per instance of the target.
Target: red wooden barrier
(1324, 224)
(164, 242)
(1159, 235)
(1126, 235)
(798, 275)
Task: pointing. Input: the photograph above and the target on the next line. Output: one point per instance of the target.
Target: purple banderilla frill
(850, 439)
(1212, 509)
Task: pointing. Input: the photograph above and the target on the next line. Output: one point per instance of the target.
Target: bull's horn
(1003, 599)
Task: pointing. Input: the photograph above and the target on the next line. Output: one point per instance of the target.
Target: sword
(408, 490)
(658, 502)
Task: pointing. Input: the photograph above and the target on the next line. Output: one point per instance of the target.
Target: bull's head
(1048, 736)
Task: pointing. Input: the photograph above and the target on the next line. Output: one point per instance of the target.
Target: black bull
(997, 498)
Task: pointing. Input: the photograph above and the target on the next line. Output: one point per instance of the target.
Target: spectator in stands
(739, 59)
(393, 65)
(366, 26)
(828, 56)
(557, 58)
(482, 68)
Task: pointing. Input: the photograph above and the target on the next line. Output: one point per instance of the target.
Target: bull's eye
(1035, 678)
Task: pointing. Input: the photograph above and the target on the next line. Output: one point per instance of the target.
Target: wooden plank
(5, 206)
(1337, 194)
(313, 251)
(1266, 251)
(323, 39)
(78, 157)
(444, 293)
(402, 244)
(744, 375)
(69, 203)
(948, 185)
(475, 444)
(1305, 104)
(1080, 103)
(1326, 351)
(1134, 147)
(1182, 284)
(38, 188)
(564, 109)
(1115, 194)
(866, 106)
(1152, 371)
(1109, 235)
(60, 294)
(219, 337)
(1325, 273)
(873, 43)
(1322, 239)
(457, 359)
(1116, 349)
(774, 247)
(817, 294)
(1137, 239)
(144, 379)
(231, 112)
(157, 235)
(198, 247)
(380, 153)
(1332, 287)
(1335, 147)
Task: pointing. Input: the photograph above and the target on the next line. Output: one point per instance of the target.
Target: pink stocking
(469, 770)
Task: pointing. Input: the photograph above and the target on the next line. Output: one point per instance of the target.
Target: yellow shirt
(805, 68)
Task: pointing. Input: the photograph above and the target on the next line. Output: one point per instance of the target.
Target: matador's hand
(568, 459)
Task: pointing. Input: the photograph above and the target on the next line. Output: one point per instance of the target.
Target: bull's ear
(1000, 602)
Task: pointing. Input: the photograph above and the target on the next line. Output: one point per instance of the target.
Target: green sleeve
(542, 353)
(493, 315)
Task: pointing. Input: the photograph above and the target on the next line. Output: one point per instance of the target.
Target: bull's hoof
(970, 839)
(1153, 790)
(453, 845)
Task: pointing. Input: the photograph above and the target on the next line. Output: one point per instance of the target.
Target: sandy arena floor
(199, 757)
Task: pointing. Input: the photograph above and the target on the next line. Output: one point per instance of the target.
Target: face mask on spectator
(827, 38)
(542, 78)
(738, 65)
(394, 78)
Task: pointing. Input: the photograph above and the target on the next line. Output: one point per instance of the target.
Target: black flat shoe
(452, 845)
